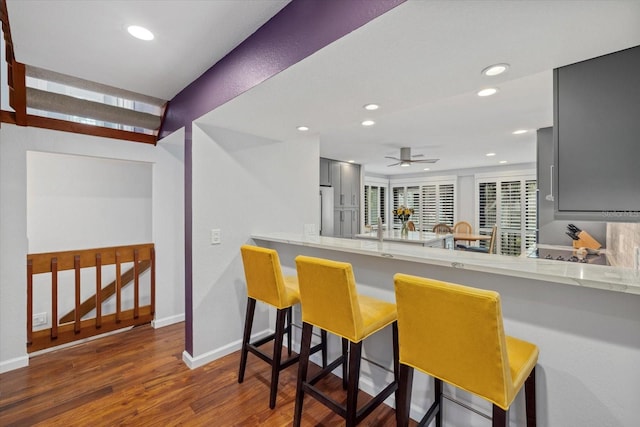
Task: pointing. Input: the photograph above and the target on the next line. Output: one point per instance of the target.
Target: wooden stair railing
(64, 331)
(108, 291)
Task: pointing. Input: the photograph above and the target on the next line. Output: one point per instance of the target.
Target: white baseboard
(196, 362)
(15, 363)
(166, 321)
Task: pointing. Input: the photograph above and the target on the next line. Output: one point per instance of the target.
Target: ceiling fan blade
(394, 164)
(418, 155)
(392, 158)
(425, 161)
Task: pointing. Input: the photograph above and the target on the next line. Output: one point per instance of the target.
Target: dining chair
(463, 227)
(489, 249)
(442, 228)
(266, 283)
(330, 301)
(455, 334)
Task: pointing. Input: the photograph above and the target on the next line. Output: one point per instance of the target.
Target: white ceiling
(421, 62)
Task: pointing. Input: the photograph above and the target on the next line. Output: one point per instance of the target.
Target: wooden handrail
(143, 258)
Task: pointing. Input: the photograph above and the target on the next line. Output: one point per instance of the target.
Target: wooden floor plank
(138, 378)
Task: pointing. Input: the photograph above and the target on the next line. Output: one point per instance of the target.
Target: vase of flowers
(403, 214)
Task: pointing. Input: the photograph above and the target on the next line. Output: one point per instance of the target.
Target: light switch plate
(216, 236)
(40, 319)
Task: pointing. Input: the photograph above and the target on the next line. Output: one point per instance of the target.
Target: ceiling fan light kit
(406, 159)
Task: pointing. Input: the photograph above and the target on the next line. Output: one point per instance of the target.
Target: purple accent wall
(297, 31)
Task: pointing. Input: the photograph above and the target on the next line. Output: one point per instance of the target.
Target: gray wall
(550, 231)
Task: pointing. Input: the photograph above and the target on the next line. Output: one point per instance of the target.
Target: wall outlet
(216, 236)
(40, 319)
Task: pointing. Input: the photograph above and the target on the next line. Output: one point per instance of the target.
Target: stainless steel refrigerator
(326, 211)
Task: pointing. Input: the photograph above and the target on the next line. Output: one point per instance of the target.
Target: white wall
(167, 221)
(241, 184)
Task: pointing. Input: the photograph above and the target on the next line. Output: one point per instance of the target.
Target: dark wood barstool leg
(281, 318)
(403, 396)
(323, 340)
(530, 398)
(437, 386)
(352, 389)
(288, 330)
(499, 417)
(248, 323)
(345, 370)
(303, 363)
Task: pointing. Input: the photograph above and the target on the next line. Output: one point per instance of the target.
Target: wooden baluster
(118, 288)
(136, 284)
(29, 302)
(76, 266)
(153, 280)
(54, 298)
(98, 291)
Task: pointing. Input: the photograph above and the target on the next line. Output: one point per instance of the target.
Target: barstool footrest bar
(325, 400)
(430, 415)
(375, 401)
(326, 371)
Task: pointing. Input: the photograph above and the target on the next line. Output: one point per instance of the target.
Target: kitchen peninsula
(421, 238)
(584, 318)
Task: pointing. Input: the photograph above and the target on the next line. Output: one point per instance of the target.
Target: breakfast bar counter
(584, 318)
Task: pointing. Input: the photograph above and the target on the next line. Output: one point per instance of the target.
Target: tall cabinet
(345, 179)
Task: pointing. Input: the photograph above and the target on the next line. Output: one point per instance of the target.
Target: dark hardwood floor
(137, 378)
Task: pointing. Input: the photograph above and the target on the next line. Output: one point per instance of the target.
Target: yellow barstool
(330, 302)
(266, 283)
(455, 334)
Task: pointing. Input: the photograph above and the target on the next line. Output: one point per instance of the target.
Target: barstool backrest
(454, 333)
(328, 297)
(264, 275)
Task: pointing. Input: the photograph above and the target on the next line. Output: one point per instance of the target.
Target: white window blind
(510, 203)
(431, 203)
(374, 202)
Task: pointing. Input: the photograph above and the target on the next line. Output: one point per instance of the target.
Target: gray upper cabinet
(345, 179)
(325, 172)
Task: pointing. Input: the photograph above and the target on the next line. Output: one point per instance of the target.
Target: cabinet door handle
(341, 216)
(549, 196)
(353, 199)
(342, 199)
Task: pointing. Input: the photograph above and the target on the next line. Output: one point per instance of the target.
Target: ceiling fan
(406, 158)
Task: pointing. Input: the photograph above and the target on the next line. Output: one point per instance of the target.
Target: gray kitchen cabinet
(325, 172)
(346, 222)
(345, 179)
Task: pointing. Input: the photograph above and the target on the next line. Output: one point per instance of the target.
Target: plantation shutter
(445, 204)
(412, 200)
(383, 203)
(429, 208)
(510, 217)
(398, 200)
(367, 217)
(531, 214)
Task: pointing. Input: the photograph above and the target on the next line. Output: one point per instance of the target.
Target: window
(509, 202)
(432, 202)
(374, 204)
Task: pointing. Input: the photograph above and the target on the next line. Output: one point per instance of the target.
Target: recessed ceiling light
(488, 91)
(368, 123)
(140, 32)
(490, 154)
(302, 128)
(371, 107)
(520, 131)
(425, 169)
(351, 161)
(502, 162)
(494, 70)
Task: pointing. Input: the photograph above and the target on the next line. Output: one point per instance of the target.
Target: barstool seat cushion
(334, 305)
(376, 314)
(274, 289)
(523, 357)
(459, 338)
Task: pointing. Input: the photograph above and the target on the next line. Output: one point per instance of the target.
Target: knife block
(586, 241)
